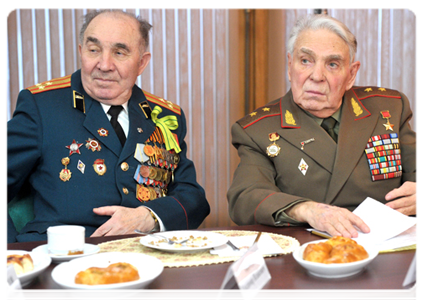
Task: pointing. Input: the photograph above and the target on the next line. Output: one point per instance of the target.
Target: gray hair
(143, 26)
(315, 22)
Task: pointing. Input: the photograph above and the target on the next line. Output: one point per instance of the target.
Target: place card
(249, 272)
(413, 273)
(13, 288)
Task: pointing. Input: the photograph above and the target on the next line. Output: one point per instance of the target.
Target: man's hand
(123, 220)
(334, 220)
(403, 199)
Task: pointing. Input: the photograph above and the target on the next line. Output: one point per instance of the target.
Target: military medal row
(151, 175)
(156, 156)
(65, 174)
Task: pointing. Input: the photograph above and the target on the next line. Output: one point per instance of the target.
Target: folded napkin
(266, 246)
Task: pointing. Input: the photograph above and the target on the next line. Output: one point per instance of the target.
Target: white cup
(65, 239)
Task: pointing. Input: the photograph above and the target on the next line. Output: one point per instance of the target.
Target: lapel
(301, 127)
(140, 128)
(357, 125)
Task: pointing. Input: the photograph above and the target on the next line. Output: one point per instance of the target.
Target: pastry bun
(114, 273)
(335, 250)
(22, 263)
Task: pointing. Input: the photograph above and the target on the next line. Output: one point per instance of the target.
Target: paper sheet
(389, 229)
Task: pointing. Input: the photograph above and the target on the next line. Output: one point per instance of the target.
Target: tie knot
(114, 110)
(329, 123)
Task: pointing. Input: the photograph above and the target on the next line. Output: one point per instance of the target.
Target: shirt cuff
(159, 225)
(282, 219)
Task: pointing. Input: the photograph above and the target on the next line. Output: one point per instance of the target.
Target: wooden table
(387, 271)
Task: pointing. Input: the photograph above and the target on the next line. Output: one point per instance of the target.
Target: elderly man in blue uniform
(96, 150)
(296, 168)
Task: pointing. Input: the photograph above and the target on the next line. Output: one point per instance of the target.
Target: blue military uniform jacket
(52, 116)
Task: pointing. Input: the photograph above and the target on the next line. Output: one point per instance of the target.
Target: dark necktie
(114, 112)
(328, 124)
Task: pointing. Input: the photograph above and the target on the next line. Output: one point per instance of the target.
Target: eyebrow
(312, 53)
(115, 45)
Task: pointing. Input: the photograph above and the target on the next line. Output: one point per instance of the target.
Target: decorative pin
(273, 149)
(74, 148)
(303, 167)
(99, 166)
(303, 143)
(93, 145)
(386, 115)
(65, 174)
(81, 166)
(103, 132)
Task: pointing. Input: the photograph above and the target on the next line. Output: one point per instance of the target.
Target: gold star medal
(65, 174)
(273, 149)
(386, 115)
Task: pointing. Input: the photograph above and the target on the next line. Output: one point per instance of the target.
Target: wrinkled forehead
(320, 41)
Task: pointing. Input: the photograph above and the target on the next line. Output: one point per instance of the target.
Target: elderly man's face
(320, 71)
(111, 58)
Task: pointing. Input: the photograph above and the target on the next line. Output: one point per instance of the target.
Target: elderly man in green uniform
(314, 155)
(98, 151)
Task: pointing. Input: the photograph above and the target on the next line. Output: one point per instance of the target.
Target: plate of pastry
(336, 257)
(183, 240)
(110, 270)
(89, 249)
(27, 265)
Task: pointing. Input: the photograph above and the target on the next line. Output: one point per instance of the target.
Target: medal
(93, 145)
(74, 148)
(99, 166)
(303, 167)
(65, 174)
(386, 115)
(273, 149)
(103, 132)
(143, 193)
(81, 166)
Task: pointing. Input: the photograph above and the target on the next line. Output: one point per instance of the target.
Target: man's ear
(145, 59)
(355, 66)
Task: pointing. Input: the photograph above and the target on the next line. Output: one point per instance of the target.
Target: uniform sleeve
(24, 139)
(185, 206)
(253, 196)
(407, 143)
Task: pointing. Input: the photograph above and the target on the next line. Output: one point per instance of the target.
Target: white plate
(148, 267)
(41, 262)
(211, 240)
(333, 270)
(88, 250)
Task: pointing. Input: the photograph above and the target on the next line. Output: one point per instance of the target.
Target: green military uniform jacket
(286, 157)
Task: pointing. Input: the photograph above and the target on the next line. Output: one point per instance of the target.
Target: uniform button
(125, 191)
(124, 166)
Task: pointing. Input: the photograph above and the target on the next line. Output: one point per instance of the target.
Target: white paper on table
(383, 221)
(266, 246)
(389, 229)
(405, 239)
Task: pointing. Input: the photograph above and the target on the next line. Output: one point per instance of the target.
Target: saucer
(89, 249)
